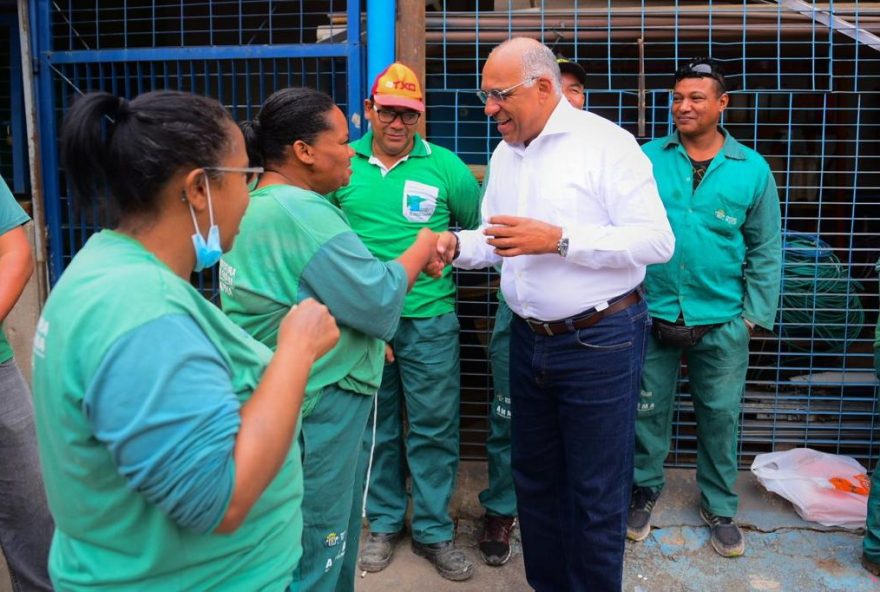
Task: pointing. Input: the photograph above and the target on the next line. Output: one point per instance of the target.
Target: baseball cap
(573, 68)
(398, 86)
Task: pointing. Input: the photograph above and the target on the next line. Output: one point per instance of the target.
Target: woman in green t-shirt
(166, 439)
(294, 244)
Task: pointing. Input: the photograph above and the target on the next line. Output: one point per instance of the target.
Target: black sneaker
(638, 519)
(871, 566)
(449, 562)
(727, 538)
(495, 543)
(378, 550)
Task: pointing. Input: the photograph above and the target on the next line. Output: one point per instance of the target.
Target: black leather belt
(582, 321)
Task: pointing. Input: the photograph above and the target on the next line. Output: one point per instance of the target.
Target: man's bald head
(522, 86)
(536, 59)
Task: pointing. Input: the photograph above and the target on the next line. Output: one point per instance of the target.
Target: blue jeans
(574, 400)
(26, 526)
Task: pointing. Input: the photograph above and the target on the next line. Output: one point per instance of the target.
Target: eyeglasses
(699, 68)
(500, 95)
(389, 115)
(249, 172)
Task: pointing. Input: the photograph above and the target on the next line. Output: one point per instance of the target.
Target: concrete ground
(783, 553)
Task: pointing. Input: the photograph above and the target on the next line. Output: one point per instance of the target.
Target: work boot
(727, 538)
(638, 519)
(447, 560)
(495, 543)
(378, 550)
(871, 566)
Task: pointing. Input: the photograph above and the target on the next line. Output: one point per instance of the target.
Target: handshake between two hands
(510, 235)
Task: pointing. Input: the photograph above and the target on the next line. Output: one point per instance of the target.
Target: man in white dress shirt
(572, 214)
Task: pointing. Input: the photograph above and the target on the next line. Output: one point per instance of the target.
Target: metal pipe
(38, 196)
(641, 87)
(355, 91)
(723, 18)
(650, 35)
(835, 22)
(380, 36)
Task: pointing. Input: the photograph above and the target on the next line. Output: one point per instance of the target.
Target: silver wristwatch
(562, 246)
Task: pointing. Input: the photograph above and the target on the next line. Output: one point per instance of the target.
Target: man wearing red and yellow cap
(400, 184)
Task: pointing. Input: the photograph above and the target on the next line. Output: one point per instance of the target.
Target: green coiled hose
(820, 303)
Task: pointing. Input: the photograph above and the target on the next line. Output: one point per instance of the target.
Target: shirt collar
(559, 122)
(731, 148)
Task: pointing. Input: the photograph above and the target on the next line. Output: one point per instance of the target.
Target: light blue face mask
(208, 252)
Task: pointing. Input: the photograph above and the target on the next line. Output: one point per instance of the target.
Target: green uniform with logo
(11, 216)
(108, 536)
(429, 188)
(727, 266)
(872, 535)
(499, 498)
(293, 245)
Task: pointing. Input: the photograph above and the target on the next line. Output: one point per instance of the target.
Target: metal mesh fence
(805, 81)
(132, 24)
(238, 52)
(240, 85)
(13, 151)
(806, 84)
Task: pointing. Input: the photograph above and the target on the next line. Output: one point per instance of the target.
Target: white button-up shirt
(590, 177)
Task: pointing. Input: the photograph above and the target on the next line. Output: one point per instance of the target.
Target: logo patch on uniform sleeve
(419, 201)
(227, 278)
(39, 346)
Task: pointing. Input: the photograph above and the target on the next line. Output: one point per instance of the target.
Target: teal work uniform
(428, 188)
(871, 544)
(499, 498)
(726, 268)
(11, 216)
(110, 535)
(293, 245)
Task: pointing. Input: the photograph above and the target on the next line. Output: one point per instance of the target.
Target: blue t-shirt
(146, 413)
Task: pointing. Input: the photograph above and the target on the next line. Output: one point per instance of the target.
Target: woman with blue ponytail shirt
(166, 438)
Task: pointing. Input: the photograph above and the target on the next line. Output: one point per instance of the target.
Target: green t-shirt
(11, 216)
(728, 246)
(430, 188)
(293, 244)
(108, 536)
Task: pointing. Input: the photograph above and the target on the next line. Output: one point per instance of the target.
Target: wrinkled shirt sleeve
(638, 232)
(763, 262)
(476, 253)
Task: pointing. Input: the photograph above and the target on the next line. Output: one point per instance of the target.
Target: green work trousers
(423, 380)
(499, 498)
(330, 439)
(716, 369)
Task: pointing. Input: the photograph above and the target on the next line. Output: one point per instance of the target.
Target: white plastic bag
(825, 488)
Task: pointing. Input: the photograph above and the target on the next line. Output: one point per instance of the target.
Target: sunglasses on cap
(702, 68)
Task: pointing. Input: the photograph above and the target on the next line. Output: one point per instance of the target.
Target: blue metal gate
(237, 51)
(13, 148)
